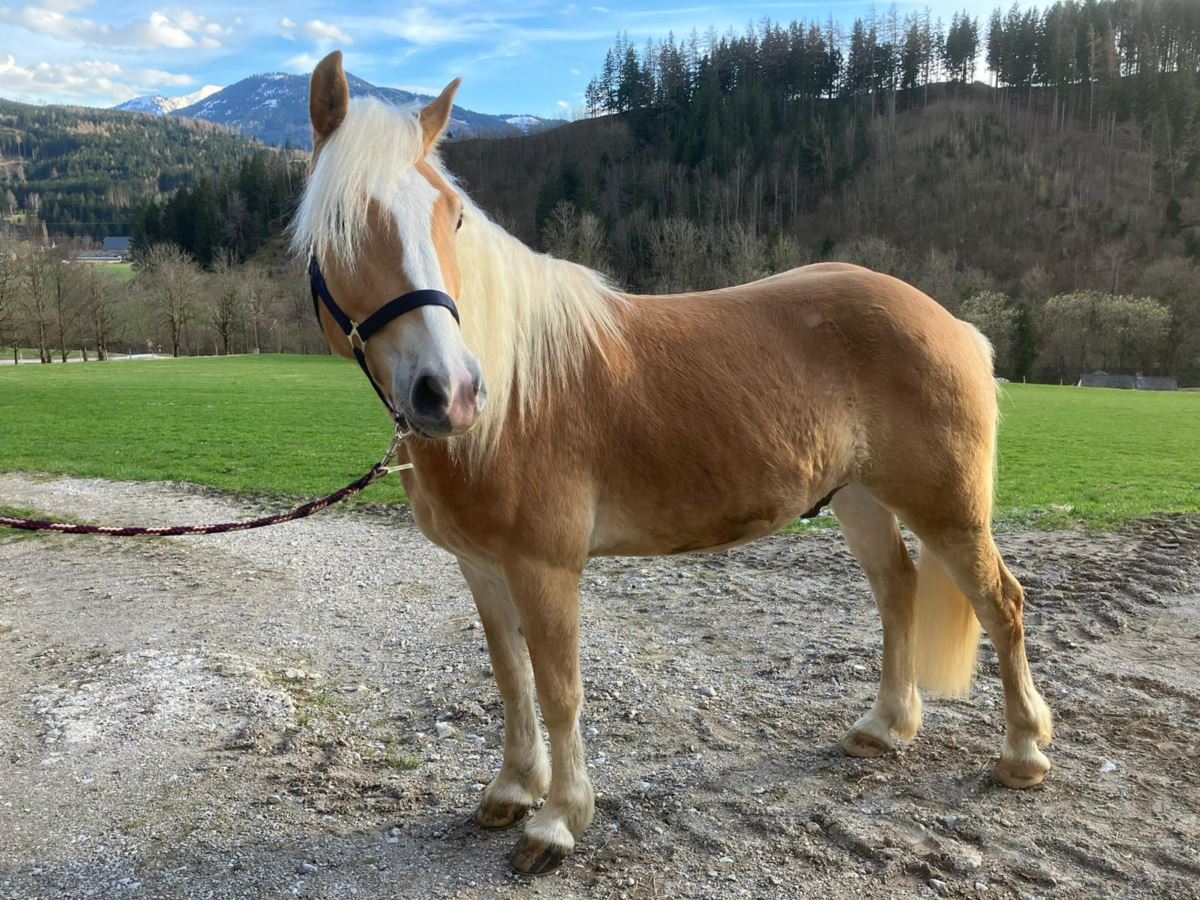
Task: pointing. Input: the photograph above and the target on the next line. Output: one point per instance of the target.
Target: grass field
(118, 272)
(298, 425)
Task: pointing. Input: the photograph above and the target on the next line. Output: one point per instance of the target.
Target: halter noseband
(359, 333)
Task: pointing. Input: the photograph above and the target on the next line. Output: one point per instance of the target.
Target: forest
(1055, 205)
(77, 172)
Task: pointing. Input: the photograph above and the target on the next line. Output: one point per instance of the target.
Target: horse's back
(786, 388)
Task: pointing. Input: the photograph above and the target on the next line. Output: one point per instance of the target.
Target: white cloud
(89, 81)
(314, 29)
(324, 31)
(576, 72)
(421, 25)
(160, 78)
(301, 63)
(47, 21)
(179, 31)
(157, 31)
(562, 104)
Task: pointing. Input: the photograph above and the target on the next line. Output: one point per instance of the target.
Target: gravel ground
(308, 711)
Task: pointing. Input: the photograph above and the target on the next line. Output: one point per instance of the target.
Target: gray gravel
(308, 711)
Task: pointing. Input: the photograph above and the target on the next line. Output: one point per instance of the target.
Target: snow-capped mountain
(532, 124)
(274, 109)
(158, 105)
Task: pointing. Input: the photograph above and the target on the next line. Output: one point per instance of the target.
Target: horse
(565, 419)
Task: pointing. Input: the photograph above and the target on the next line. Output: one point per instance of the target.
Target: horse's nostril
(430, 395)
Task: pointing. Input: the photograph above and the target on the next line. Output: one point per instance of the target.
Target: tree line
(54, 305)
(233, 212)
(1039, 334)
(1118, 50)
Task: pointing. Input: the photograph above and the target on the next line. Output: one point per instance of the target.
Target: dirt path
(257, 715)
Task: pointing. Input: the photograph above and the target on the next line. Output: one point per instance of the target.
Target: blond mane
(530, 319)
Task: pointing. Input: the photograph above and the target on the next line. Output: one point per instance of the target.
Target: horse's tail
(947, 630)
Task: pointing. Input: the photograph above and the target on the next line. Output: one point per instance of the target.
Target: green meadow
(304, 425)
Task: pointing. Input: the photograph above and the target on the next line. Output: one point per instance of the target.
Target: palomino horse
(617, 424)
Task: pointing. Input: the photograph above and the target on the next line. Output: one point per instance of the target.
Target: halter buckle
(352, 335)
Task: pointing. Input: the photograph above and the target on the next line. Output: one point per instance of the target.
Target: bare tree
(226, 311)
(1175, 281)
(37, 297)
(994, 314)
(576, 236)
(63, 281)
(257, 303)
(10, 278)
(1087, 330)
(874, 253)
(679, 255)
(172, 280)
(97, 309)
(293, 295)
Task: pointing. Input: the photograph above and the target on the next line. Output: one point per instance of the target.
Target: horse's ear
(329, 96)
(436, 116)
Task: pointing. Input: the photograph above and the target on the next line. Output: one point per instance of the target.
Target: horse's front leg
(547, 598)
(525, 772)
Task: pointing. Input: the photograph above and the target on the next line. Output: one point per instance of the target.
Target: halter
(358, 334)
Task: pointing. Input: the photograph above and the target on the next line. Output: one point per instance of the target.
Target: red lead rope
(378, 471)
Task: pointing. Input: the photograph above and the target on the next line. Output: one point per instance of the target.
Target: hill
(969, 180)
(78, 171)
(972, 194)
(274, 109)
(1059, 212)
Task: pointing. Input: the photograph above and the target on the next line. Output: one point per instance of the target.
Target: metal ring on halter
(393, 449)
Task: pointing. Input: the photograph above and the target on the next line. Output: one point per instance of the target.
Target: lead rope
(378, 471)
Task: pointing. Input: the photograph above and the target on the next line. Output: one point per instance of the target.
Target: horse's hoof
(1022, 773)
(500, 815)
(534, 857)
(863, 745)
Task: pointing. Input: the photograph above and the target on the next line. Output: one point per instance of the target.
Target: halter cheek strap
(359, 333)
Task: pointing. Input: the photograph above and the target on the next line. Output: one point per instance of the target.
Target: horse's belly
(631, 532)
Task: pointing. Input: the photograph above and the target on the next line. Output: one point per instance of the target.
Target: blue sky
(515, 57)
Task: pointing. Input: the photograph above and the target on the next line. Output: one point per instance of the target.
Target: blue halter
(393, 309)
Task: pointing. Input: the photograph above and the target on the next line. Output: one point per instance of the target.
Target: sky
(515, 56)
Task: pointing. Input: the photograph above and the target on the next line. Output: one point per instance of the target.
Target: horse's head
(381, 219)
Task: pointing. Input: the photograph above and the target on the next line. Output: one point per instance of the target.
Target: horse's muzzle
(442, 403)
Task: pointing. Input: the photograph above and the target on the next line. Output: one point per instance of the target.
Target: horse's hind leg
(874, 539)
(973, 562)
(525, 771)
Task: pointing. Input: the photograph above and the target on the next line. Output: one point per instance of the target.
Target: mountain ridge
(273, 108)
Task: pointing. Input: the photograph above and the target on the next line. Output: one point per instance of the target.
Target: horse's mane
(531, 319)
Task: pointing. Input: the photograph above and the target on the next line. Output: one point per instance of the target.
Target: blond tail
(947, 632)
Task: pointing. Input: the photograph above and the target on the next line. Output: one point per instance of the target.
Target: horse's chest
(443, 523)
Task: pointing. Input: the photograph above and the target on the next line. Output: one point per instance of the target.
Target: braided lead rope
(378, 471)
